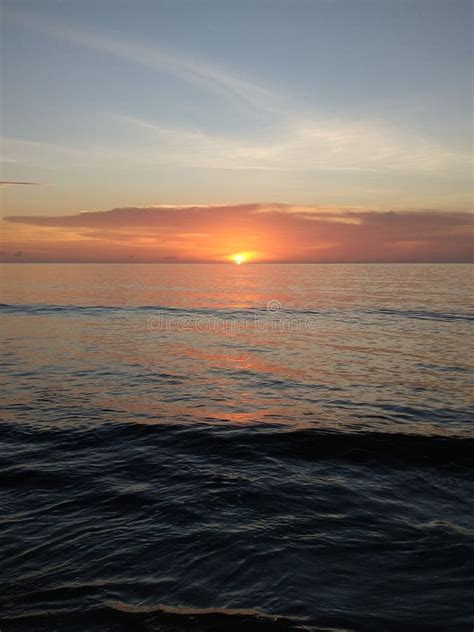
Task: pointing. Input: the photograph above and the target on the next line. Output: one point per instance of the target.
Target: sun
(239, 258)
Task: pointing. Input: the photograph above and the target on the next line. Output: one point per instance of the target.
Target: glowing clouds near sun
(240, 234)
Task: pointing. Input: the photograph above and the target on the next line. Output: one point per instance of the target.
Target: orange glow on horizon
(237, 234)
(240, 257)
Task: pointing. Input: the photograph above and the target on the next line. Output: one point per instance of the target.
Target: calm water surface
(215, 447)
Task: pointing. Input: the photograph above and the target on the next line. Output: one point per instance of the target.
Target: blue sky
(329, 102)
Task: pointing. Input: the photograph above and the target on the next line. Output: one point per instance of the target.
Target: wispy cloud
(301, 145)
(9, 183)
(299, 140)
(199, 72)
(295, 140)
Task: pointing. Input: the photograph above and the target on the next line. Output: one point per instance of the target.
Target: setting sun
(240, 257)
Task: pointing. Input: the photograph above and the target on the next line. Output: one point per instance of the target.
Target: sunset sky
(327, 130)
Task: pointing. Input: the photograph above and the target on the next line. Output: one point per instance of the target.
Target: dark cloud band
(280, 232)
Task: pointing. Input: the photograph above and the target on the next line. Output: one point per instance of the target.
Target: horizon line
(232, 263)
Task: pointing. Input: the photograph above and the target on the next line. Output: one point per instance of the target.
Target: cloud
(209, 76)
(8, 183)
(272, 232)
(283, 148)
(314, 144)
(295, 139)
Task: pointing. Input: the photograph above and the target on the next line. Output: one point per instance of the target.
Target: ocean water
(224, 447)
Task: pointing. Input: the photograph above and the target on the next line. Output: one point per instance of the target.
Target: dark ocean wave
(161, 311)
(358, 447)
(115, 618)
(287, 526)
(94, 310)
(118, 615)
(422, 314)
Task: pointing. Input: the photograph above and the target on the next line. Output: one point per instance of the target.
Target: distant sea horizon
(247, 263)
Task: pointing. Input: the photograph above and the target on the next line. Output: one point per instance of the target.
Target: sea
(214, 447)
